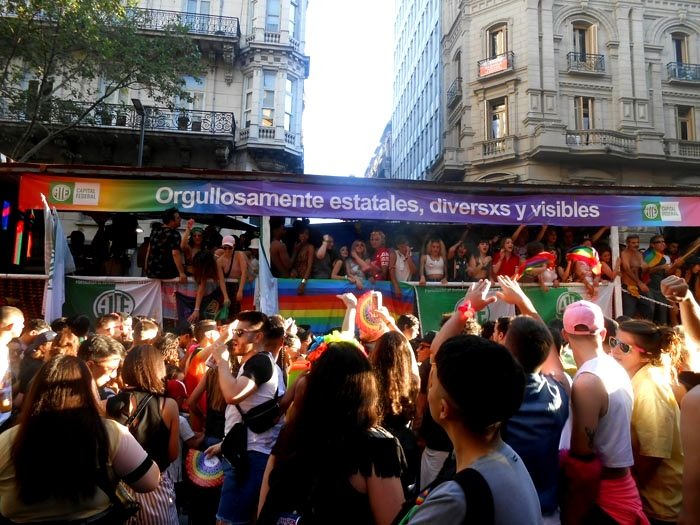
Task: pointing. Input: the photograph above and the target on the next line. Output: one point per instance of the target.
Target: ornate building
(570, 91)
(243, 114)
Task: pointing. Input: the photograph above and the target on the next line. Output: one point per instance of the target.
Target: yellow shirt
(656, 433)
(10, 505)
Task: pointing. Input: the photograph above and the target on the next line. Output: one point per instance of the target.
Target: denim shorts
(239, 497)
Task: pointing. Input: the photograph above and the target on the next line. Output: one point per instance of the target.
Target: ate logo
(113, 301)
(61, 192)
(564, 300)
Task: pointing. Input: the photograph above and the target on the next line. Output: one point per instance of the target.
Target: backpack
(477, 494)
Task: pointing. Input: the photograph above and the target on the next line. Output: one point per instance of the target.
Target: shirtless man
(633, 304)
(279, 256)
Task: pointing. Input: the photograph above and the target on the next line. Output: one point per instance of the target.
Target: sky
(348, 95)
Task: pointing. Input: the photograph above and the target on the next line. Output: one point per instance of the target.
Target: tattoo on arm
(590, 434)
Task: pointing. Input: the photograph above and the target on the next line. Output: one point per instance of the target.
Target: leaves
(54, 53)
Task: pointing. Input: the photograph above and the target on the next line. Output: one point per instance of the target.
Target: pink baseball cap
(228, 241)
(583, 318)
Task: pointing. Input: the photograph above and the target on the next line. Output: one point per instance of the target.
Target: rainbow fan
(368, 322)
(204, 471)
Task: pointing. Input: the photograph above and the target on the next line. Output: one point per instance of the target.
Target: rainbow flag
(652, 257)
(547, 259)
(320, 308)
(585, 254)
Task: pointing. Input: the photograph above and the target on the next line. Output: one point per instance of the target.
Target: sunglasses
(624, 347)
(240, 331)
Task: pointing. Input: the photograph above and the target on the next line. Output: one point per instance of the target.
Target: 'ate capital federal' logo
(75, 193)
(661, 211)
(564, 300)
(113, 301)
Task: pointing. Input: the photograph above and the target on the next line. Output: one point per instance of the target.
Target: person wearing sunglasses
(642, 348)
(598, 486)
(256, 382)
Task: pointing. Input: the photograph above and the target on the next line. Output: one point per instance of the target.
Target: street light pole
(142, 111)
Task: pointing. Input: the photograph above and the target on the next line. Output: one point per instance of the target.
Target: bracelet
(303, 281)
(196, 310)
(466, 310)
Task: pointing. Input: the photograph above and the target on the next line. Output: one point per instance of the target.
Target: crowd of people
(587, 420)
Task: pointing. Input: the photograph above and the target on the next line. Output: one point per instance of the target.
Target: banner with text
(97, 297)
(434, 301)
(357, 200)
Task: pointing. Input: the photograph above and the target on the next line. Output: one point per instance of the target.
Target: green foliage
(67, 46)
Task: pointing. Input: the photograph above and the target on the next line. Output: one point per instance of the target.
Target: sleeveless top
(301, 260)
(434, 268)
(461, 264)
(148, 429)
(613, 441)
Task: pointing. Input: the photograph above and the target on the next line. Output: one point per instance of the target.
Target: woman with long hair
(433, 263)
(55, 465)
(206, 268)
(398, 392)
(333, 463)
(505, 261)
(649, 353)
(156, 427)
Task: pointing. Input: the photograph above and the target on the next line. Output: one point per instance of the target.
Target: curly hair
(662, 345)
(398, 387)
(167, 344)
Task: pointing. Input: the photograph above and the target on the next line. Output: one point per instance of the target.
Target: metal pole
(143, 133)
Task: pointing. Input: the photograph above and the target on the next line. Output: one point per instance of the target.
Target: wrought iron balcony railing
(157, 20)
(502, 62)
(62, 112)
(586, 62)
(454, 92)
(682, 71)
(580, 138)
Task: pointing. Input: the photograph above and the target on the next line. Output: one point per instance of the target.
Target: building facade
(417, 117)
(380, 164)
(570, 91)
(243, 114)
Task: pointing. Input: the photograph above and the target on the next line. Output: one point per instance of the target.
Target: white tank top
(434, 267)
(403, 272)
(613, 441)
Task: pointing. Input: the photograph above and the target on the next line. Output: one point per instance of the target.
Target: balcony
(494, 150)
(497, 64)
(454, 92)
(681, 72)
(62, 112)
(585, 63)
(199, 24)
(683, 148)
(601, 141)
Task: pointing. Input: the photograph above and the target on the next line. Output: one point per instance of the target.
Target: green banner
(434, 301)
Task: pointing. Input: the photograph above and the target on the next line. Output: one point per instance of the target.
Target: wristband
(196, 310)
(466, 310)
(303, 281)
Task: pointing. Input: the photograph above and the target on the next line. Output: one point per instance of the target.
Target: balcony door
(197, 14)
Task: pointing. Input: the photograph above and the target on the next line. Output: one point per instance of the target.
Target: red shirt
(381, 260)
(509, 266)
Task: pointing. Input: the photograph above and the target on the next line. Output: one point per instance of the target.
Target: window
(272, 17)
(268, 99)
(680, 48)
(497, 41)
(497, 118)
(585, 39)
(293, 26)
(248, 99)
(290, 104)
(251, 16)
(584, 112)
(120, 96)
(686, 123)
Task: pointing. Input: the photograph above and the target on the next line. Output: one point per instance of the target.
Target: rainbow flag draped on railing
(542, 259)
(320, 308)
(585, 254)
